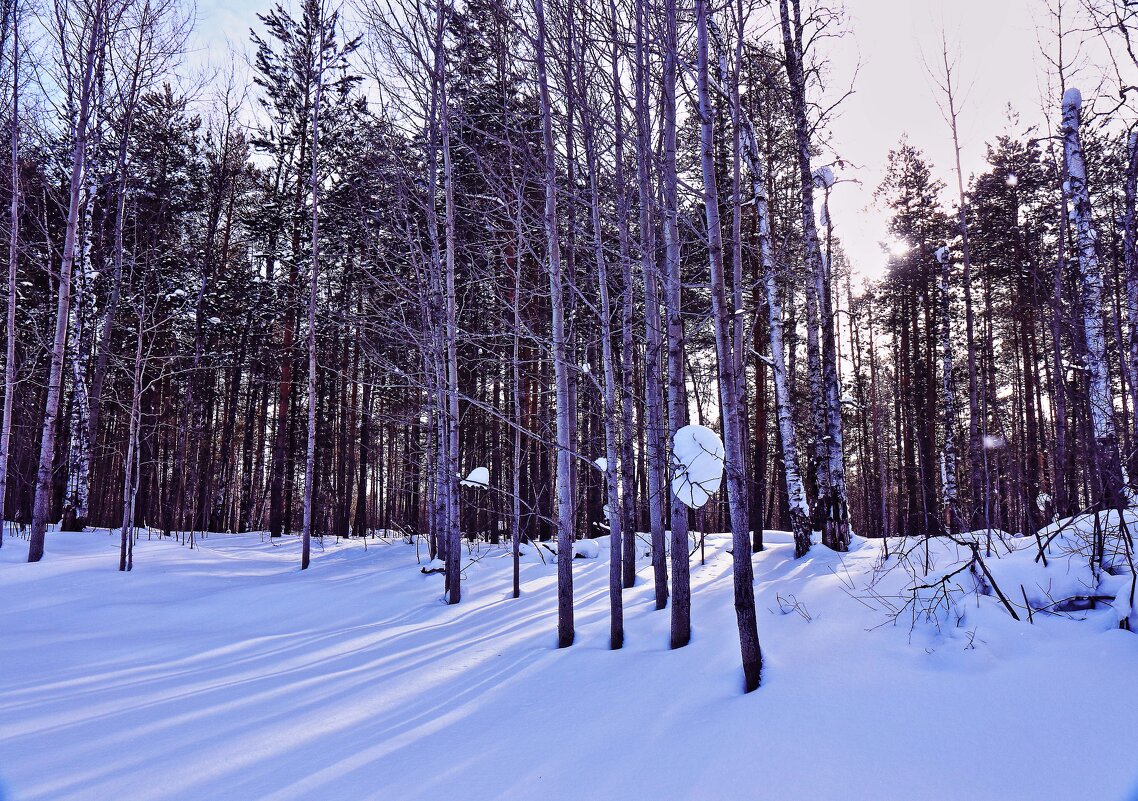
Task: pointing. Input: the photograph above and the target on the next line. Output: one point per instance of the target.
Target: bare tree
(677, 387)
(564, 487)
(730, 387)
(1099, 396)
(13, 264)
(313, 284)
(825, 392)
(947, 83)
(92, 23)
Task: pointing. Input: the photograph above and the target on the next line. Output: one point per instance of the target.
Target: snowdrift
(224, 672)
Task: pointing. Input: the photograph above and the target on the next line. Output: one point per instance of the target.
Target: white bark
(1100, 397)
(1130, 256)
(564, 490)
(93, 42)
(13, 263)
(948, 403)
(729, 388)
(653, 392)
(823, 378)
(677, 388)
(796, 491)
(313, 278)
(131, 464)
(611, 422)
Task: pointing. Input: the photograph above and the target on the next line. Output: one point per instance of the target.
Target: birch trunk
(975, 454)
(80, 133)
(313, 279)
(627, 347)
(1130, 254)
(824, 388)
(13, 264)
(77, 494)
(131, 463)
(729, 388)
(516, 393)
(454, 531)
(564, 512)
(1099, 397)
(948, 404)
(653, 391)
(796, 491)
(611, 421)
(677, 391)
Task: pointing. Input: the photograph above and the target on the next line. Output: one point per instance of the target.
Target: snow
(602, 463)
(225, 673)
(478, 477)
(823, 177)
(1073, 97)
(993, 442)
(586, 549)
(697, 464)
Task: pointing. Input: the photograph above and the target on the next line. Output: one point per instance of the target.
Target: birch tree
(948, 402)
(13, 265)
(784, 408)
(313, 283)
(653, 346)
(946, 81)
(730, 387)
(1099, 396)
(677, 387)
(825, 392)
(564, 489)
(88, 25)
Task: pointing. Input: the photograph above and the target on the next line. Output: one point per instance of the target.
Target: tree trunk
(1099, 397)
(81, 132)
(729, 384)
(564, 511)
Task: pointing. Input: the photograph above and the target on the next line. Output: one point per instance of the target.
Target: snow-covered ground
(226, 673)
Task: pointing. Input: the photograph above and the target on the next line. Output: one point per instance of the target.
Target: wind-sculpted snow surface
(224, 673)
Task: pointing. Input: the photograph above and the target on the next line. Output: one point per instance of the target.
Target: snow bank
(332, 683)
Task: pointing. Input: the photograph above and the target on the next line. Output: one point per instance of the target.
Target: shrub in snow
(1080, 567)
(478, 477)
(697, 465)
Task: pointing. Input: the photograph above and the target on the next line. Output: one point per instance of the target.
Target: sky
(998, 62)
(998, 44)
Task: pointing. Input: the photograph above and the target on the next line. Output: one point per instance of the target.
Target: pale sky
(999, 62)
(998, 43)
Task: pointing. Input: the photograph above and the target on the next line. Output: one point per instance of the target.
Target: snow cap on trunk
(1073, 97)
(697, 465)
(478, 477)
(823, 177)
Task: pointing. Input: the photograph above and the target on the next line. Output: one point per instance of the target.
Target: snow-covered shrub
(697, 465)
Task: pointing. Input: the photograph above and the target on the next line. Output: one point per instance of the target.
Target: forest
(465, 273)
